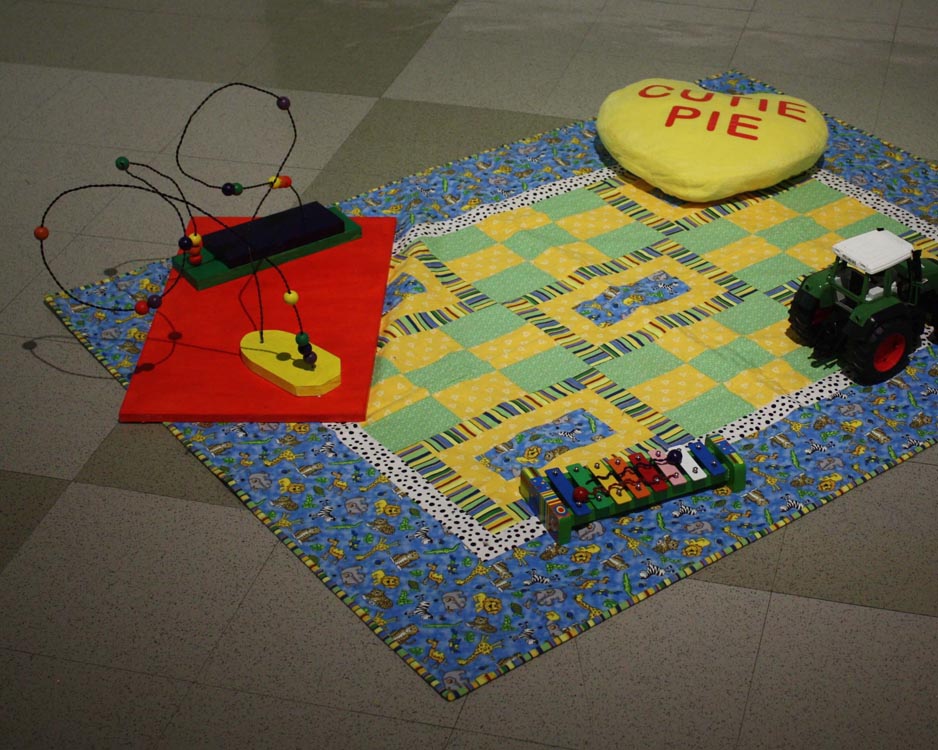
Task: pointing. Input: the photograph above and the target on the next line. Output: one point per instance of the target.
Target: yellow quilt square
(743, 253)
(474, 396)
(687, 343)
(840, 213)
(775, 339)
(817, 253)
(762, 216)
(513, 347)
(409, 353)
(502, 226)
(484, 263)
(594, 222)
(563, 260)
(391, 395)
(674, 388)
(762, 385)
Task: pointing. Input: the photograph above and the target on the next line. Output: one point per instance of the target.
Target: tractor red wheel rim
(889, 352)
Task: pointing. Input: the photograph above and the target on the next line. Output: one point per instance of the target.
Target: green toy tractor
(870, 307)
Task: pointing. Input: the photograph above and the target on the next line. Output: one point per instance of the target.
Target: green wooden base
(211, 271)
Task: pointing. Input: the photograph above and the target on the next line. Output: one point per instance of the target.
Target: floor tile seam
(884, 83)
(818, 36)
(739, 39)
(168, 149)
(24, 285)
(97, 665)
(292, 698)
(103, 484)
(806, 597)
(513, 737)
(50, 92)
(50, 261)
(533, 743)
(858, 605)
(579, 47)
(175, 712)
(407, 64)
(176, 705)
(540, 110)
(917, 27)
(33, 474)
(228, 625)
(777, 15)
(68, 188)
(752, 673)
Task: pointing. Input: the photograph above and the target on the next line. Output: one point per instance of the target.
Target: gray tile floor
(141, 605)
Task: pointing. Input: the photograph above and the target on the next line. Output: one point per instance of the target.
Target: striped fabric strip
(785, 292)
(612, 190)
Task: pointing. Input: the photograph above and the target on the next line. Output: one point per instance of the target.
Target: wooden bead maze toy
(213, 251)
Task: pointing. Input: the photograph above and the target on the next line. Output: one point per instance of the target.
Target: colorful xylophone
(620, 484)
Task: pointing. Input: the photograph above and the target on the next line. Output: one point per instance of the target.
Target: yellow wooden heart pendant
(277, 360)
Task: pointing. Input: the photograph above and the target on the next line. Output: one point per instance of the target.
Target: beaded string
(190, 246)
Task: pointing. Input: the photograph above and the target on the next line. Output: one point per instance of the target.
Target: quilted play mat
(545, 308)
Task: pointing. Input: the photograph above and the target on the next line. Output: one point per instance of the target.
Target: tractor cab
(871, 266)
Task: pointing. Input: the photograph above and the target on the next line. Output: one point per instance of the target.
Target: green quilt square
(772, 272)
(458, 244)
(802, 361)
(717, 234)
(449, 370)
(384, 369)
(730, 359)
(412, 424)
(755, 313)
(808, 196)
(793, 232)
(532, 243)
(514, 282)
(869, 224)
(625, 240)
(544, 369)
(710, 411)
(639, 365)
(568, 204)
(483, 325)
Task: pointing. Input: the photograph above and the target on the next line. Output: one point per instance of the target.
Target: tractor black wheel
(806, 316)
(885, 352)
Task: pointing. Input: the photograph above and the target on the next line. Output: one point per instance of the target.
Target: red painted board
(190, 369)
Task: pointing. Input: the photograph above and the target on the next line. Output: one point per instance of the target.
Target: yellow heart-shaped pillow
(701, 145)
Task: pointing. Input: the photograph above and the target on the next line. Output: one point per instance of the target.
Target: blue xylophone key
(564, 489)
(707, 460)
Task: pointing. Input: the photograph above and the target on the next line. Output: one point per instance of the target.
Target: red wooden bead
(580, 494)
(141, 307)
(41, 233)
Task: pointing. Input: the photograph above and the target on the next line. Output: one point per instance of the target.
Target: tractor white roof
(874, 251)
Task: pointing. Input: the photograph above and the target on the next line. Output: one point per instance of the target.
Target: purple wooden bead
(154, 301)
(283, 102)
(310, 358)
